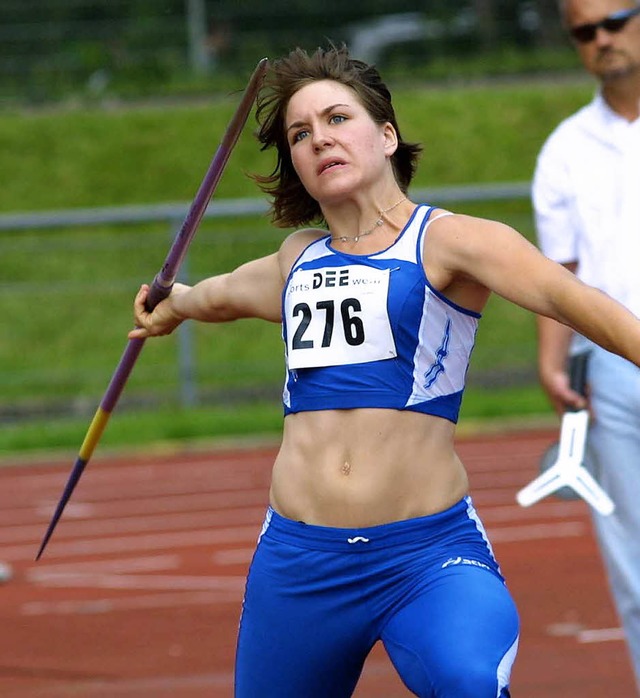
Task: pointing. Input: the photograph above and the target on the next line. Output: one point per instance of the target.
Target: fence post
(186, 365)
(197, 32)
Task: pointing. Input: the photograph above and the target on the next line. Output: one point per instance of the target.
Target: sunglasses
(584, 33)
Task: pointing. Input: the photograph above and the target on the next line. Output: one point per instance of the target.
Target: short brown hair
(292, 206)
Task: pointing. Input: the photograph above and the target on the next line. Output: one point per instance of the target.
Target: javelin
(160, 288)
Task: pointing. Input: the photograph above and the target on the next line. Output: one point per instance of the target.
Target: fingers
(577, 401)
(562, 397)
(140, 314)
(162, 320)
(138, 333)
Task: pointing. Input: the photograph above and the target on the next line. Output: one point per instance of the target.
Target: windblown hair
(292, 206)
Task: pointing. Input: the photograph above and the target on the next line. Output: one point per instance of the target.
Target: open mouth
(329, 165)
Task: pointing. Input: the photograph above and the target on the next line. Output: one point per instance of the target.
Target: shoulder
(295, 244)
(457, 249)
(565, 136)
(299, 240)
(435, 213)
(443, 222)
(461, 234)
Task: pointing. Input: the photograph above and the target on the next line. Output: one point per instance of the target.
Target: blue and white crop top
(370, 331)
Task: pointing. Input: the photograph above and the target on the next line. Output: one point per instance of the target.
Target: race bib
(336, 317)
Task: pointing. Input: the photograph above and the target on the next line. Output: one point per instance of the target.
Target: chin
(614, 74)
(614, 68)
(334, 195)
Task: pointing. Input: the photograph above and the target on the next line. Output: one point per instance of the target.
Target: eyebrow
(324, 112)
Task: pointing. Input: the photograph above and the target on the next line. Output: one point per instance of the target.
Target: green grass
(66, 294)
(139, 428)
(99, 157)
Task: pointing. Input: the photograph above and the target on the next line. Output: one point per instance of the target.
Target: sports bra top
(370, 330)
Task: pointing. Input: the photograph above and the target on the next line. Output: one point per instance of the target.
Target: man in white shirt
(586, 195)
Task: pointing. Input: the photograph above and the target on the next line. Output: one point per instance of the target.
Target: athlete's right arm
(252, 290)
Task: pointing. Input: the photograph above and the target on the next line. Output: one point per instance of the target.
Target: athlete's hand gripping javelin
(161, 320)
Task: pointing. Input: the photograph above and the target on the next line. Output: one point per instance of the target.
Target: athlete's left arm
(500, 259)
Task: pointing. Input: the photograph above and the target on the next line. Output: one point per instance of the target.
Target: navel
(346, 468)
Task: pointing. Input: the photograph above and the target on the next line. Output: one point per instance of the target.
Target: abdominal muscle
(364, 467)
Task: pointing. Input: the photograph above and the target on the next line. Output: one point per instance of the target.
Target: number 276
(351, 324)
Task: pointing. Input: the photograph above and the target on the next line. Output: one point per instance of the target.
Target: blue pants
(317, 599)
(614, 438)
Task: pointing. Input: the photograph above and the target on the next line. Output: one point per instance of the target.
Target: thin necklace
(377, 224)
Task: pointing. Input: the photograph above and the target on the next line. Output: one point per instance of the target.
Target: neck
(623, 96)
(353, 216)
(377, 223)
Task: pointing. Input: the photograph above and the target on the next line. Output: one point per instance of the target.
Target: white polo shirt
(586, 196)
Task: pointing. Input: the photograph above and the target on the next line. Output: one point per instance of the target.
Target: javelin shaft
(166, 277)
(160, 289)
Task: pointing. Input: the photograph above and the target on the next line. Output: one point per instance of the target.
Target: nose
(603, 37)
(321, 138)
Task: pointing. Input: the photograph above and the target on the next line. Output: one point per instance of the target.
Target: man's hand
(556, 385)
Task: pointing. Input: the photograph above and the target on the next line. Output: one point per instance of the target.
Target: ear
(390, 139)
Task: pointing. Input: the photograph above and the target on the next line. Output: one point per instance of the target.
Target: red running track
(139, 590)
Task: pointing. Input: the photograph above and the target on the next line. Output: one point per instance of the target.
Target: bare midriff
(364, 467)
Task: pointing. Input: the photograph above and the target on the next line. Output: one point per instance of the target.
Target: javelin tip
(78, 467)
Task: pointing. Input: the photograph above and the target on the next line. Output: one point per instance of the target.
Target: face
(609, 55)
(336, 147)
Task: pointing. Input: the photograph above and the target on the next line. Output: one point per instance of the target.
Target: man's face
(607, 54)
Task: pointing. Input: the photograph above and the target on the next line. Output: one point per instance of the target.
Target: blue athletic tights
(317, 599)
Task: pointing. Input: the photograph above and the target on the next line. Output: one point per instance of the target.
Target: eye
(299, 135)
(337, 119)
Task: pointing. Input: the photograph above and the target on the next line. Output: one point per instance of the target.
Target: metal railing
(234, 207)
